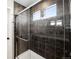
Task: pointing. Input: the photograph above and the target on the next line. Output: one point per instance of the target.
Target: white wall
(10, 29)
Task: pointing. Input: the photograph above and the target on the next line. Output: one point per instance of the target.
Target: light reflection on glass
(59, 23)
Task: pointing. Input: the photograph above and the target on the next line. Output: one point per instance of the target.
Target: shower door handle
(8, 38)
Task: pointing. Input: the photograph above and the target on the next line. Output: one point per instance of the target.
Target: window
(50, 11)
(37, 15)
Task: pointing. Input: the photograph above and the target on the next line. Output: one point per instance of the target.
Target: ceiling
(26, 3)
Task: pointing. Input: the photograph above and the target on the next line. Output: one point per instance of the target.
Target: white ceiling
(26, 3)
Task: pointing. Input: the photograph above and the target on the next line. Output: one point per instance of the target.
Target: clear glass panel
(22, 35)
(45, 33)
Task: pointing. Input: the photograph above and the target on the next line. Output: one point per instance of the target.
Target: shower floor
(29, 55)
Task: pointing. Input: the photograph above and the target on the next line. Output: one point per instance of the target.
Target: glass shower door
(45, 33)
(22, 35)
(50, 34)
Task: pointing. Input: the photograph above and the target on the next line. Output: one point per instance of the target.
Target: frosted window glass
(36, 15)
(50, 11)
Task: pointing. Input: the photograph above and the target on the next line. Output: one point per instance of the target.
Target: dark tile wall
(53, 42)
(44, 46)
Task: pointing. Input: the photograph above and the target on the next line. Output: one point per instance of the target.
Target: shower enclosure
(44, 31)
